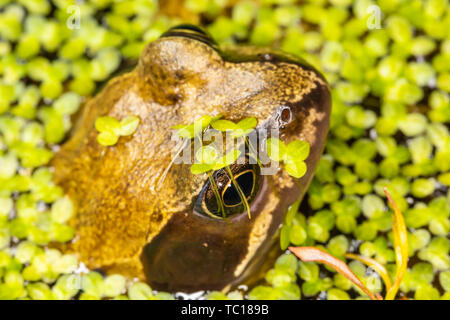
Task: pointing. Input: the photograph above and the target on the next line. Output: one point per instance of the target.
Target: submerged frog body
(125, 224)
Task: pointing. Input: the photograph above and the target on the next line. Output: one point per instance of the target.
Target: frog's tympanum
(125, 224)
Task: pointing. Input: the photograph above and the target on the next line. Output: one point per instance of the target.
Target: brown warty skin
(124, 224)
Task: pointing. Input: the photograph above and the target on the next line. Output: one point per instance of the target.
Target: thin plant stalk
(312, 254)
(238, 188)
(269, 178)
(375, 265)
(206, 211)
(400, 246)
(216, 193)
(163, 176)
(252, 151)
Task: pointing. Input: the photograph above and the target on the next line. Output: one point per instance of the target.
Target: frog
(127, 223)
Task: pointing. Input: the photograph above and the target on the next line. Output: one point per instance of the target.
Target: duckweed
(110, 129)
(389, 128)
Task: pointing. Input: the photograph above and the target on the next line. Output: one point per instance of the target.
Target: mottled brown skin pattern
(123, 224)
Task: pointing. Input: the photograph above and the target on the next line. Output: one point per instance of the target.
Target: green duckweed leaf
(189, 131)
(128, 125)
(297, 169)
(244, 127)
(247, 123)
(224, 125)
(106, 123)
(285, 237)
(276, 149)
(240, 129)
(298, 150)
(227, 159)
(292, 155)
(107, 138)
(207, 154)
(208, 158)
(199, 168)
(291, 212)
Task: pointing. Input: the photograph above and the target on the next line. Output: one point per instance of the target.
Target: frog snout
(176, 58)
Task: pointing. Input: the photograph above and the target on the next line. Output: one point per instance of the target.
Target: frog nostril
(192, 32)
(286, 115)
(283, 117)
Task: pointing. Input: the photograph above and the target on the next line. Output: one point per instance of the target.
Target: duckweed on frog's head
(125, 224)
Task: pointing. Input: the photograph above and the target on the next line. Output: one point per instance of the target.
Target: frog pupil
(245, 181)
(210, 202)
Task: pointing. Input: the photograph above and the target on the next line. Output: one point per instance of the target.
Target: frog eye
(246, 181)
(192, 32)
(247, 177)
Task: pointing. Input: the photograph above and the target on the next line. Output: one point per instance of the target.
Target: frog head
(128, 221)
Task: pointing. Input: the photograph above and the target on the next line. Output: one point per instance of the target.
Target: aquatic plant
(389, 128)
(110, 129)
(292, 155)
(311, 254)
